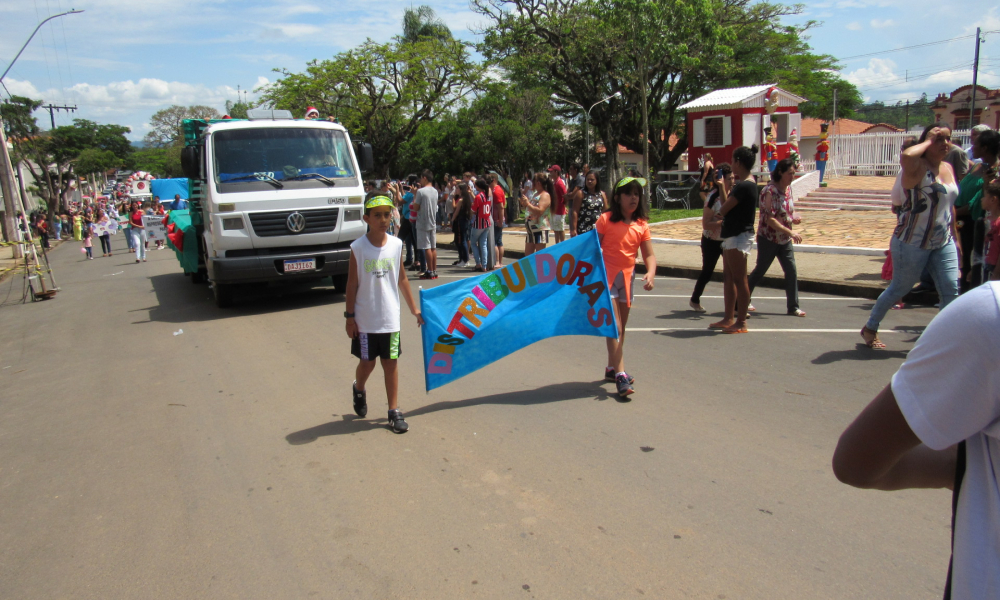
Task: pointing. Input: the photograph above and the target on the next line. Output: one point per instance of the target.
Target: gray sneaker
(396, 421)
(624, 387)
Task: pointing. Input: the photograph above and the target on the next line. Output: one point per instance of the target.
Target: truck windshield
(246, 159)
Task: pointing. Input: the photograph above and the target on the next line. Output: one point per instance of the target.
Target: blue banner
(471, 323)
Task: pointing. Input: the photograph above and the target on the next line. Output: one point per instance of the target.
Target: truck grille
(270, 224)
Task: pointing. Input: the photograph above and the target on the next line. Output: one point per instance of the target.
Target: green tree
(422, 22)
(780, 54)
(161, 162)
(506, 129)
(49, 157)
(657, 53)
(166, 124)
(382, 92)
(237, 110)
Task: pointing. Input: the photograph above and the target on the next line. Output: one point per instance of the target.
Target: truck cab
(274, 199)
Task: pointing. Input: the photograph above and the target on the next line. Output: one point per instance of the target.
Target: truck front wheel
(223, 295)
(339, 283)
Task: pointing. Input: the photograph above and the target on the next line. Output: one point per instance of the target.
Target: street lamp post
(6, 169)
(71, 11)
(586, 117)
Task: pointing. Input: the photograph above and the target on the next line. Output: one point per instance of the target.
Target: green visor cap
(378, 201)
(628, 180)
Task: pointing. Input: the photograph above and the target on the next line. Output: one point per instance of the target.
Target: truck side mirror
(366, 162)
(191, 161)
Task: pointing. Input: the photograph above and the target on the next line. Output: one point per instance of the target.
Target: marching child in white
(375, 280)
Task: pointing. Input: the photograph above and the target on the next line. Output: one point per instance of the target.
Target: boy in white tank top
(374, 281)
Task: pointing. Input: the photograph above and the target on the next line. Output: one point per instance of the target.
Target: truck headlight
(352, 214)
(231, 223)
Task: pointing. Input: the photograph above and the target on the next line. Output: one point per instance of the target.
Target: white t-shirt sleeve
(896, 195)
(949, 387)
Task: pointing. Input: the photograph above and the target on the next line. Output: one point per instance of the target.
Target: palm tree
(422, 22)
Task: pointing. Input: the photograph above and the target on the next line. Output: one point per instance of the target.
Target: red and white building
(723, 120)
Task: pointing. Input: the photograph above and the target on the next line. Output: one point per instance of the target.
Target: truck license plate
(302, 264)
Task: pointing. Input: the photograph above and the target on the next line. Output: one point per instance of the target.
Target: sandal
(874, 343)
(720, 325)
(736, 328)
(797, 313)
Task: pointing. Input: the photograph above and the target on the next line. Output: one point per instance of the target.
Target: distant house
(633, 160)
(953, 109)
(723, 120)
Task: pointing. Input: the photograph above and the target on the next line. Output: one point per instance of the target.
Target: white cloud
(849, 4)
(130, 103)
(882, 23)
(289, 30)
(989, 22)
(854, 26)
(880, 71)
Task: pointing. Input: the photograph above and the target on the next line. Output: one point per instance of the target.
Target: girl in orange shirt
(624, 231)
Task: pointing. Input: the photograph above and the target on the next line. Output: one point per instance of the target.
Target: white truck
(272, 199)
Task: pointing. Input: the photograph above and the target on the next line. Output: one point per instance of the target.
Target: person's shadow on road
(551, 393)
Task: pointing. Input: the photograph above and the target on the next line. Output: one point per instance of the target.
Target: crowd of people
(94, 217)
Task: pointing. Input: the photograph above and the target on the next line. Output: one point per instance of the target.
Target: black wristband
(348, 315)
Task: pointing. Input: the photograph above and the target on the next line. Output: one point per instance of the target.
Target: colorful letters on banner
(469, 324)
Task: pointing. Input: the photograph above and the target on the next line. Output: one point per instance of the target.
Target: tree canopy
(166, 124)
(53, 158)
(505, 129)
(383, 92)
(657, 53)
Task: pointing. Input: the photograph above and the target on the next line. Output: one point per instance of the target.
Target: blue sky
(122, 60)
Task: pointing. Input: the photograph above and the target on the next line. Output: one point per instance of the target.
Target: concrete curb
(798, 247)
(832, 288)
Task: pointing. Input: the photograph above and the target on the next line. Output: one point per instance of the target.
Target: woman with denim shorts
(738, 216)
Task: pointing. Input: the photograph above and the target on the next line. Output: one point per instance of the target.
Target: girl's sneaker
(624, 387)
(360, 401)
(696, 307)
(609, 375)
(396, 421)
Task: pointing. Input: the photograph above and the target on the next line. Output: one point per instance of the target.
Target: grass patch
(663, 214)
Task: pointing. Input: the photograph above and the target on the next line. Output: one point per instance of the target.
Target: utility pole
(907, 127)
(53, 109)
(975, 79)
(835, 110)
(10, 230)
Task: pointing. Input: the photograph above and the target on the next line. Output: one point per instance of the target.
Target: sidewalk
(8, 264)
(836, 274)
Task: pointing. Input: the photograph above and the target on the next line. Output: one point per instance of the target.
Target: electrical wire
(69, 61)
(45, 52)
(913, 73)
(908, 47)
(924, 45)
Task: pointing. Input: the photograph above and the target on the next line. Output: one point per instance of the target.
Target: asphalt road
(226, 461)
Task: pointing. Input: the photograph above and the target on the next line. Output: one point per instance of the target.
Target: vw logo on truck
(296, 222)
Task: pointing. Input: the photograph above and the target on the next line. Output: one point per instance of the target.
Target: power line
(961, 37)
(915, 74)
(954, 39)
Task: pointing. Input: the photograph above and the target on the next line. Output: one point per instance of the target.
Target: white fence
(872, 153)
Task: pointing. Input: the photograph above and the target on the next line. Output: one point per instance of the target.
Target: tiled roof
(810, 127)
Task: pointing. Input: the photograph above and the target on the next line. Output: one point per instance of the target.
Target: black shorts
(538, 236)
(498, 235)
(369, 346)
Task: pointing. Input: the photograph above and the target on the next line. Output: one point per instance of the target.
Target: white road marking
(754, 298)
(756, 330)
